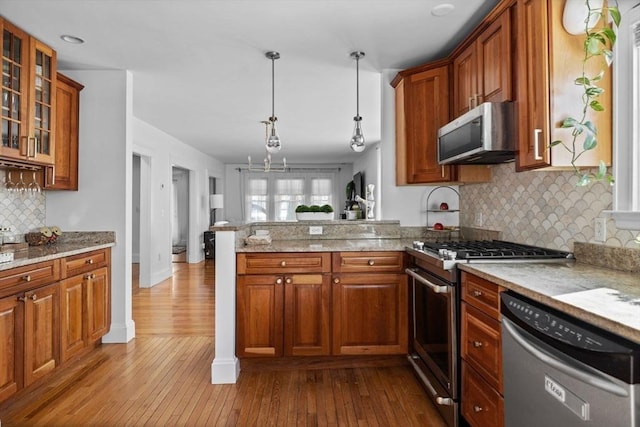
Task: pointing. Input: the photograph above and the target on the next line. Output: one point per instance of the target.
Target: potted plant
(598, 44)
(314, 212)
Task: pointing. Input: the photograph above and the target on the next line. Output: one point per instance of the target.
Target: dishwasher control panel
(563, 328)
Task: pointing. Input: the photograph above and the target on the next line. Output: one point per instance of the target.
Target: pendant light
(357, 140)
(273, 141)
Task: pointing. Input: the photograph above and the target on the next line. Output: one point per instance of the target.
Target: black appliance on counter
(435, 309)
(209, 244)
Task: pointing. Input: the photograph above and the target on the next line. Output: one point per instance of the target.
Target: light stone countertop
(605, 298)
(71, 243)
(338, 245)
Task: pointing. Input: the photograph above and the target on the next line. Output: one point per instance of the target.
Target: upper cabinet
(28, 97)
(548, 62)
(482, 71)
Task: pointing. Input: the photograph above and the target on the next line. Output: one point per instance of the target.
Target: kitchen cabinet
(548, 61)
(28, 97)
(370, 303)
(481, 349)
(283, 302)
(49, 311)
(29, 315)
(422, 107)
(482, 71)
(63, 175)
(85, 301)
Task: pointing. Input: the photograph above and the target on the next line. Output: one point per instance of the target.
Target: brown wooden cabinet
(370, 303)
(481, 349)
(85, 301)
(482, 71)
(28, 99)
(282, 306)
(548, 61)
(43, 320)
(63, 175)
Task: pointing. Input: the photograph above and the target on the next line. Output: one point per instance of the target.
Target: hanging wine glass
(34, 188)
(9, 185)
(21, 187)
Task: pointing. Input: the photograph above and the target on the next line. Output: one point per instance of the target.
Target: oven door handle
(435, 288)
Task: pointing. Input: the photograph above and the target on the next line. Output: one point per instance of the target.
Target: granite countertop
(71, 243)
(605, 298)
(338, 245)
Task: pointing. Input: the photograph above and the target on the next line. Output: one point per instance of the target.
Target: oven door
(434, 330)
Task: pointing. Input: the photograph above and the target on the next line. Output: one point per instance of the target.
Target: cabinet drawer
(28, 277)
(277, 263)
(82, 263)
(481, 344)
(482, 294)
(368, 262)
(482, 406)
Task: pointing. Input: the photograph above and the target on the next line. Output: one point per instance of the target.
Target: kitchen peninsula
(363, 239)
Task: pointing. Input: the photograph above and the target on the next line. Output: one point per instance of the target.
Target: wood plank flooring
(162, 378)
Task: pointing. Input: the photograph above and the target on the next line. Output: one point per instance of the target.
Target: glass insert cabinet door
(28, 91)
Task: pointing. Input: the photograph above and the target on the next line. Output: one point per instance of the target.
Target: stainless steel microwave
(483, 135)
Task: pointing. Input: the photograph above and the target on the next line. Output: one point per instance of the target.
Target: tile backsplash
(22, 213)
(540, 208)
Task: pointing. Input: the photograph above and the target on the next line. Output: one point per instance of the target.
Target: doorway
(179, 214)
(140, 220)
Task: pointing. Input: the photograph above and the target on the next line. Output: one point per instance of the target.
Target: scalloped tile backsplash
(22, 214)
(540, 208)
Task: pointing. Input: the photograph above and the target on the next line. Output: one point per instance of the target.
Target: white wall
(404, 203)
(109, 136)
(103, 199)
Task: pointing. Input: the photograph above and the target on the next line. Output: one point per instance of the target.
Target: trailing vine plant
(598, 43)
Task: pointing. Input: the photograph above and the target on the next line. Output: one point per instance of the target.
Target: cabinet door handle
(371, 262)
(477, 408)
(89, 276)
(23, 298)
(477, 293)
(470, 102)
(89, 261)
(288, 280)
(26, 278)
(336, 280)
(442, 171)
(477, 344)
(34, 150)
(33, 297)
(283, 263)
(279, 281)
(536, 144)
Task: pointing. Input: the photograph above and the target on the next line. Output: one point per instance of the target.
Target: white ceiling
(200, 73)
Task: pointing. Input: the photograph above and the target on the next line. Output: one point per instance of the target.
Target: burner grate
(494, 249)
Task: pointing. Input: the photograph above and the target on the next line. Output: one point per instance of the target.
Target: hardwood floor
(162, 378)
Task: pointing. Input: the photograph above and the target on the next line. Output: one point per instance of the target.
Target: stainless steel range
(435, 305)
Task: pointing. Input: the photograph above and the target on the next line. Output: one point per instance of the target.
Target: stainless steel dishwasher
(561, 372)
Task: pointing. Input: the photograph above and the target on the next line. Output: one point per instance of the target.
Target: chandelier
(268, 164)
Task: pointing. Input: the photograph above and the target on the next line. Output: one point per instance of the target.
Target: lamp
(216, 201)
(357, 140)
(273, 140)
(269, 166)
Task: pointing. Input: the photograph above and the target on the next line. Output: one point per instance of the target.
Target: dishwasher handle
(547, 358)
(435, 288)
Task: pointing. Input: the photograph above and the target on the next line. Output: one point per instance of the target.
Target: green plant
(326, 208)
(302, 208)
(598, 43)
(314, 208)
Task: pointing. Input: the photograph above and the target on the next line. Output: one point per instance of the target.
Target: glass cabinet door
(43, 71)
(15, 48)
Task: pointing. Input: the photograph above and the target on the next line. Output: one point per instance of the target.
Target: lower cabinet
(481, 348)
(300, 309)
(48, 313)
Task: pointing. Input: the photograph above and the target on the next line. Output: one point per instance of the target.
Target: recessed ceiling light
(442, 9)
(71, 39)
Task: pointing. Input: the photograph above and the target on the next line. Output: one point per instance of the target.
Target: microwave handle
(536, 144)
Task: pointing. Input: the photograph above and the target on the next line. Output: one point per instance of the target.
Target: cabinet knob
(371, 262)
(26, 278)
(89, 276)
(23, 298)
(477, 344)
(283, 263)
(33, 297)
(288, 280)
(336, 280)
(477, 408)
(477, 293)
(89, 261)
(279, 281)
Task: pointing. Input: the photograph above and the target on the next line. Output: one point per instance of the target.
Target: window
(626, 198)
(275, 196)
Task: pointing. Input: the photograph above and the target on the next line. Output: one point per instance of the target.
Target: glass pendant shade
(357, 140)
(273, 141)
